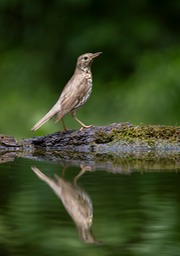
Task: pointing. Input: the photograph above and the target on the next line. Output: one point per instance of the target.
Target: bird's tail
(48, 116)
(53, 184)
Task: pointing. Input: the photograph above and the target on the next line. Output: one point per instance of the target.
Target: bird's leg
(81, 123)
(82, 171)
(63, 171)
(63, 124)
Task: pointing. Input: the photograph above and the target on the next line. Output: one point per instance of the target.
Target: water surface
(49, 210)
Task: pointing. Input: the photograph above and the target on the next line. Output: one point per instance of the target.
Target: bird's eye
(85, 57)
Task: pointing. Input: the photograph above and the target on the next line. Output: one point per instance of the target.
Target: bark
(113, 138)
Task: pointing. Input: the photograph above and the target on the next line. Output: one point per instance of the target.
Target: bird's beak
(96, 54)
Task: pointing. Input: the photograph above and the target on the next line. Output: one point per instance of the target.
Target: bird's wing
(72, 94)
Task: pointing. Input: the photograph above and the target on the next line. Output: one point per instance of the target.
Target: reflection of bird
(75, 200)
(75, 93)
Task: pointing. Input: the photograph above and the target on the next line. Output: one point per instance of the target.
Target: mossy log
(113, 138)
(117, 147)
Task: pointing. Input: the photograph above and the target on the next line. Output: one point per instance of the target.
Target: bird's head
(84, 61)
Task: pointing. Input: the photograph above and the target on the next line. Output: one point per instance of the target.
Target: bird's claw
(85, 126)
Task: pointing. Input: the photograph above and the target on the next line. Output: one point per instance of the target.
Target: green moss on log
(142, 135)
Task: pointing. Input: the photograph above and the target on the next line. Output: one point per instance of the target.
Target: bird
(75, 93)
(76, 201)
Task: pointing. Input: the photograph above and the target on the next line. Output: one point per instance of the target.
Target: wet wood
(117, 137)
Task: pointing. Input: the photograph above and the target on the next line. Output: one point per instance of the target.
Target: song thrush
(75, 93)
(76, 201)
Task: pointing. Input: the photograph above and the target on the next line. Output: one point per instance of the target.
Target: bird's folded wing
(72, 94)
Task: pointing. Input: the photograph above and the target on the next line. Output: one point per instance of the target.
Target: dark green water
(135, 213)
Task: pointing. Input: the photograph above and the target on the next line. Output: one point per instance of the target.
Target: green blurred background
(137, 79)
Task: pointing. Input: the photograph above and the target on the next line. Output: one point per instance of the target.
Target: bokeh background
(137, 79)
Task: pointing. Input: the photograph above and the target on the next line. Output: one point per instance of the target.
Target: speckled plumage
(75, 93)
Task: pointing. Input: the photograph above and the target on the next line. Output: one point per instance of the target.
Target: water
(133, 211)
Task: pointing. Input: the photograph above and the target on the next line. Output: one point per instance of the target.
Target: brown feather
(75, 93)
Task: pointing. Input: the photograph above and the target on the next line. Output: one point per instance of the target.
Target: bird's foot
(86, 168)
(83, 170)
(85, 126)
